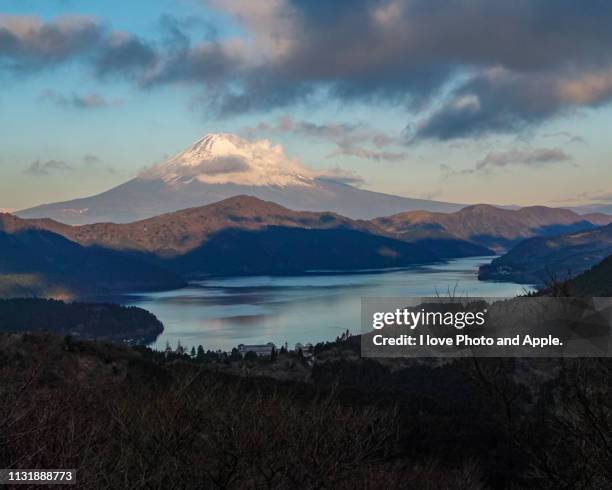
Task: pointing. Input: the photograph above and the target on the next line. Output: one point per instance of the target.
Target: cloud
(338, 174)
(125, 55)
(91, 159)
(497, 100)
(376, 155)
(90, 162)
(214, 166)
(349, 139)
(79, 101)
(271, 25)
(338, 132)
(537, 157)
(222, 165)
(566, 135)
(469, 67)
(45, 168)
(28, 43)
(408, 51)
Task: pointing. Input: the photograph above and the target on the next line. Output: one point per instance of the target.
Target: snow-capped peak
(223, 158)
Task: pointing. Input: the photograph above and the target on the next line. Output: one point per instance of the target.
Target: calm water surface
(221, 313)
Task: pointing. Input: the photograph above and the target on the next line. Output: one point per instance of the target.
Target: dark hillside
(538, 260)
(142, 420)
(596, 282)
(280, 250)
(79, 320)
(65, 265)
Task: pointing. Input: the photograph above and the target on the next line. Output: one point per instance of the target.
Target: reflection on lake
(221, 313)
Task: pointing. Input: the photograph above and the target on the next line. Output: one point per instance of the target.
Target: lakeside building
(262, 350)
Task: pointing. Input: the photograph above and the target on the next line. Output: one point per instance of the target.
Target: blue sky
(395, 93)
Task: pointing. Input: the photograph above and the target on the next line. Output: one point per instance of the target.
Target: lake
(221, 313)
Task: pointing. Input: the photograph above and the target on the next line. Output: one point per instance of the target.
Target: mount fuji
(220, 166)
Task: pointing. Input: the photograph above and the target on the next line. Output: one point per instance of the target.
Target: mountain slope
(537, 260)
(599, 219)
(596, 281)
(490, 226)
(601, 208)
(80, 320)
(182, 231)
(292, 250)
(38, 262)
(245, 235)
(220, 166)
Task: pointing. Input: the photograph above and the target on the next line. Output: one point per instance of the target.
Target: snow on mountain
(220, 166)
(222, 158)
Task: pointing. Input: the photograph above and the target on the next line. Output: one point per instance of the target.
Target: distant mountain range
(176, 233)
(489, 226)
(226, 205)
(179, 232)
(220, 166)
(37, 262)
(600, 208)
(539, 260)
(245, 235)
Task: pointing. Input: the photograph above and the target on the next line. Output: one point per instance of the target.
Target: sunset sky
(456, 100)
